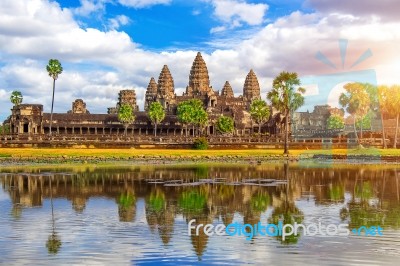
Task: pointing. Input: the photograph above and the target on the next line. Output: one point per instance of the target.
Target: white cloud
(385, 9)
(90, 6)
(143, 3)
(196, 12)
(217, 29)
(235, 12)
(120, 20)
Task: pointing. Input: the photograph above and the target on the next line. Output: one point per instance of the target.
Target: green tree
(191, 112)
(156, 114)
(184, 112)
(365, 121)
(126, 115)
(356, 101)
(4, 129)
(16, 98)
(260, 113)
(54, 69)
(286, 96)
(335, 122)
(225, 124)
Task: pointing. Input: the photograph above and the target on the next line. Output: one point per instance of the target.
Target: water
(128, 216)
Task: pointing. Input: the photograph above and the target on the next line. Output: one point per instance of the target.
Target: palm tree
(16, 98)
(286, 96)
(125, 115)
(54, 69)
(357, 103)
(259, 111)
(156, 114)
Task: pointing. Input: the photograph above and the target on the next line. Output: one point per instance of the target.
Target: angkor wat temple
(29, 119)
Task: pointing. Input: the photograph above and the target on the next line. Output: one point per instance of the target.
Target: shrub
(200, 144)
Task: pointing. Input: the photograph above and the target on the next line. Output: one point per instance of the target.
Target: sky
(109, 45)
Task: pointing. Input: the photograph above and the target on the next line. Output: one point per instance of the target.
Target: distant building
(314, 124)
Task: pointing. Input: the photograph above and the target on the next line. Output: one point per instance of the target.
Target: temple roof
(227, 90)
(165, 82)
(152, 87)
(199, 80)
(251, 88)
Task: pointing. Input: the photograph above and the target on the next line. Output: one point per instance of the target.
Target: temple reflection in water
(365, 195)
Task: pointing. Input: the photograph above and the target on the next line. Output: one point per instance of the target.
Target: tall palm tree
(286, 96)
(54, 69)
(16, 98)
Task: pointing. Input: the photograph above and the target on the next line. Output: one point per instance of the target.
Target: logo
(280, 230)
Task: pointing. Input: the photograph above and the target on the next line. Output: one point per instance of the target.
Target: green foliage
(126, 200)
(200, 144)
(192, 201)
(125, 115)
(288, 213)
(201, 171)
(16, 98)
(336, 192)
(53, 244)
(225, 124)
(364, 190)
(156, 114)
(259, 111)
(54, 68)
(4, 129)
(191, 112)
(335, 122)
(365, 121)
(157, 201)
(286, 96)
(260, 202)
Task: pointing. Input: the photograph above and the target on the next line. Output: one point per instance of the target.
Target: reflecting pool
(136, 215)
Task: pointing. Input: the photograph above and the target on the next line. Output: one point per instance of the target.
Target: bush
(200, 144)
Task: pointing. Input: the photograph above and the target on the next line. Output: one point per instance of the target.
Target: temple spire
(199, 81)
(227, 90)
(165, 82)
(251, 88)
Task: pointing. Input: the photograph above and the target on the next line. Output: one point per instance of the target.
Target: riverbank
(9, 156)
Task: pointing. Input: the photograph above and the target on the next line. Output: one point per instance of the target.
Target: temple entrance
(26, 127)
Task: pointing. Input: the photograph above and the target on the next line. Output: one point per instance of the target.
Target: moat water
(140, 215)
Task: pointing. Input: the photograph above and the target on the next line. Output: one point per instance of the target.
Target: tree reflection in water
(53, 243)
(287, 212)
(369, 195)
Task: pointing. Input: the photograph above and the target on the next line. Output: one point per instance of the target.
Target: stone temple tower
(165, 86)
(127, 97)
(151, 94)
(227, 90)
(251, 88)
(165, 89)
(199, 81)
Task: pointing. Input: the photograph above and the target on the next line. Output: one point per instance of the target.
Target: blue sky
(175, 25)
(109, 45)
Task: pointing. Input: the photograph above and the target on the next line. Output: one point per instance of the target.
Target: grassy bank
(129, 153)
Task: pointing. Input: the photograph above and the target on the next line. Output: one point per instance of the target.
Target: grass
(126, 153)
